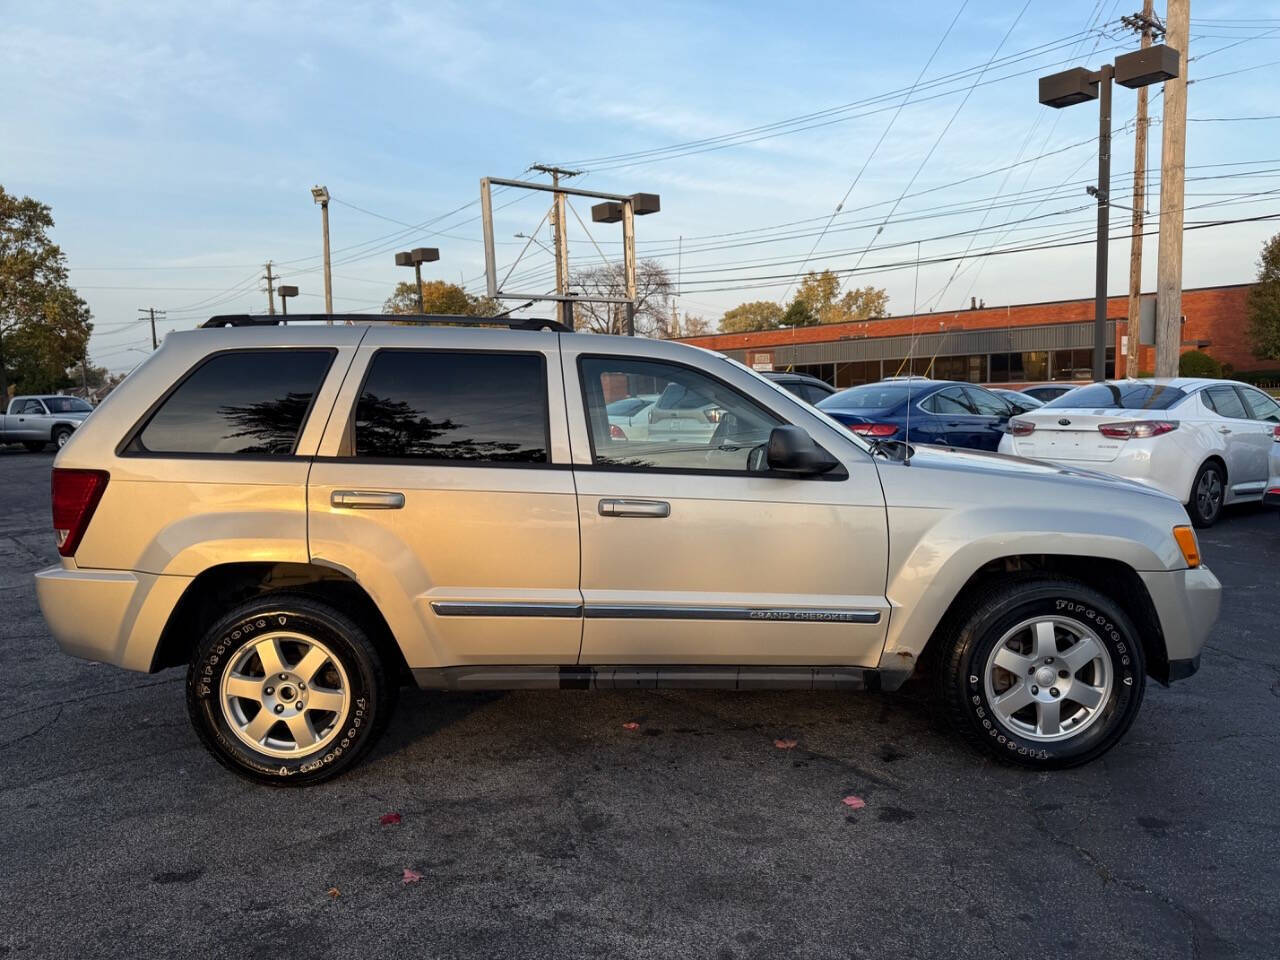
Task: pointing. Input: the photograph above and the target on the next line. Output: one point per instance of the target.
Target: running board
(646, 677)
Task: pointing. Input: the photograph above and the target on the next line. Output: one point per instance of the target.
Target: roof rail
(430, 319)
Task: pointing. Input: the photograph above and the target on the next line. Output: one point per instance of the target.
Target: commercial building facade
(1014, 344)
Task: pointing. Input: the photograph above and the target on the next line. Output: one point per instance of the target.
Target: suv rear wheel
(288, 691)
(1044, 673)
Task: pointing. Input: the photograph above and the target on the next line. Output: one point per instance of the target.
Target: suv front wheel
(288, 691)
(1044, 673)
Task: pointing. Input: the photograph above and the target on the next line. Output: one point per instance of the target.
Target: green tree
(44, 325)
(1264, 304)
(1195, 363)
(821, 295)
(441, 298)
(798, 314)
(749, 317)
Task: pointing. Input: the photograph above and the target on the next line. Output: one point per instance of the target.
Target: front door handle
(366, 499)
(635, 508)
(1224, 429)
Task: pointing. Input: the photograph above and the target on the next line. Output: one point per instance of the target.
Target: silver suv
(306, 515)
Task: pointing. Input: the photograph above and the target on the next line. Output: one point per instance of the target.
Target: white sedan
(1206, 442)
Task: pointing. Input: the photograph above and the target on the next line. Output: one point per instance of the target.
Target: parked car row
(1209, 443)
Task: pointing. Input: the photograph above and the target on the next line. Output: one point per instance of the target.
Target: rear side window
(1130, 395)
(459, 407)
(1225, 402)
(242, 403)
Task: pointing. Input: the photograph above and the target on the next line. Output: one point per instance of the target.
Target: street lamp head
(1068, 88)
(404, 259)
(643, 203)
(286, 291)
(608, 212)
(320, 194)
(1144, 67)
(424, 254)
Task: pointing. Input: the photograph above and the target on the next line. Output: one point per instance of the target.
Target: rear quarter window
(240, 403)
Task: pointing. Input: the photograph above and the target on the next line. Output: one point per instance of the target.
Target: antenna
(911, 344)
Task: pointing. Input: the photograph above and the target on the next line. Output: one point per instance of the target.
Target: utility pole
(1173, 149)
(271, 294)
(1148, 26)
(560, 235)
(151, 312)
(84, 372)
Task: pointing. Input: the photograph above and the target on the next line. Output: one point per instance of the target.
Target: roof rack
(418, 319)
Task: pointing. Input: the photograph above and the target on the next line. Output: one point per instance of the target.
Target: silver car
(301, 516)
(35, 421)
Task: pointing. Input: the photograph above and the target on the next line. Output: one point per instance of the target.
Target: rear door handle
(635, 508)
(1224, 429)
(366, 499)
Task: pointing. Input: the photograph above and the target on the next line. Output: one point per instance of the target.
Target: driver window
(689, 421)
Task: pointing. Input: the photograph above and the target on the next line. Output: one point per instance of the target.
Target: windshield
(871, 396)
(67, 405)
(1130, 395)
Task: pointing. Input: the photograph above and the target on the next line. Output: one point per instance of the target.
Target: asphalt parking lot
(541, 827)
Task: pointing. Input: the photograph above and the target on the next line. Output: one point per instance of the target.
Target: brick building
(1015, 344)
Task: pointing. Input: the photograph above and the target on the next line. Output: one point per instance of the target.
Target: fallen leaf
(857, 803)
(631, 725)
(785, 744)
(387, 819)
(410, 876)
(334, 893)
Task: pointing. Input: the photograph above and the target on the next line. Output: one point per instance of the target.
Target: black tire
(1205, 510)
(367, 710)
(979, 627)
(60, 437)
(34, 446)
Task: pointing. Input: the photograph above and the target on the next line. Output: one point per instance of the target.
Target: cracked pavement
(542, 828)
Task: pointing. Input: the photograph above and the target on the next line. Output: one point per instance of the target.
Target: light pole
(1077, 85)
(416, 258)
(625, 211)
(321, 196)
(284, 293)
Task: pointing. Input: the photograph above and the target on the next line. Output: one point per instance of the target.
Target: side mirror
(792, 450)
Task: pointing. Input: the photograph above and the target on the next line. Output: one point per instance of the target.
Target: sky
(177, 144)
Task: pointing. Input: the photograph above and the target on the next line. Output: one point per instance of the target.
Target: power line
(876, 149)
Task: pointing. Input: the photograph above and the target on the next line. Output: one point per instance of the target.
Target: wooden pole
(1172, 176)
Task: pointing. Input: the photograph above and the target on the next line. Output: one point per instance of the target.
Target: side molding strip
(645, 611)
(449, 608)
(650, 611)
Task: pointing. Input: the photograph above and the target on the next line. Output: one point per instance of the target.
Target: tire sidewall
(1118, 638)
(1193, 505)
(227, 640)
(60, 437)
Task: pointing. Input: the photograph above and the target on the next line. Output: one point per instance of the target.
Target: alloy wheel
(285, 695)
(1209, 494)
(1048, 679)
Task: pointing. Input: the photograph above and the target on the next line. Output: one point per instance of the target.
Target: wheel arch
(218, 588)
(1115, 579)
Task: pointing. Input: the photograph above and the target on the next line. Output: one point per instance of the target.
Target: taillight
(615, 432)
(873, 429)
(1275, 434)
(75, 496)
(1020, 428)
(1136, 429)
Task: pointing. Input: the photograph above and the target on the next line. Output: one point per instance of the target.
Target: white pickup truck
(35, 421)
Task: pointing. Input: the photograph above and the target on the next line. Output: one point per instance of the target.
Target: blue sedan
(941, 411)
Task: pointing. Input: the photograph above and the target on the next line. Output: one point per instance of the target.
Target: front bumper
(112, 616)
(1187, 602)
